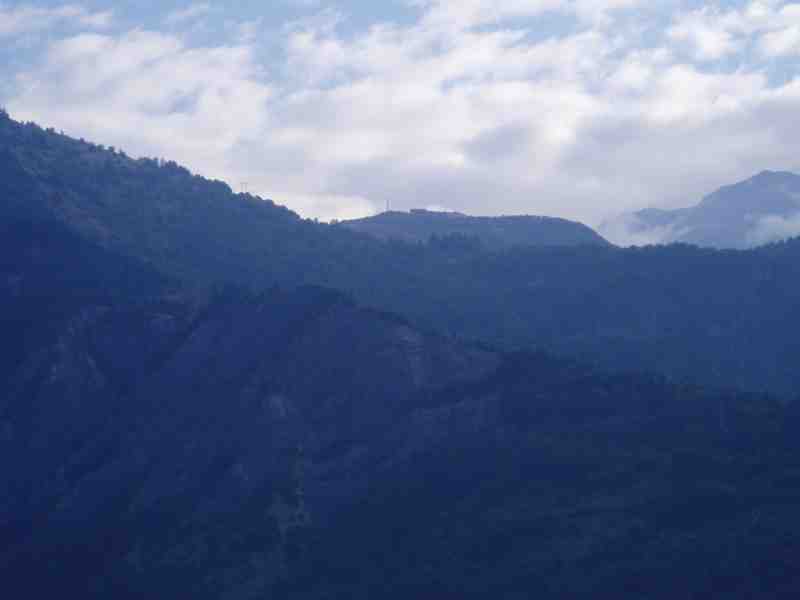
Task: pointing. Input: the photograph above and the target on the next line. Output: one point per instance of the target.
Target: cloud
(600, 11)
(465, 107)
(774, 228)
(628, 230)
(782, 38)
(473, 13)
(772, 26)
(25, 18)
(708, 35)
(476, 13)
(190, 13)
(781, 42)
(150, 94)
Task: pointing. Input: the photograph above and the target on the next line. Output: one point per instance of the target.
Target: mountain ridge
(758, 210)
(419, 225)
(163, 435)
(292, 444)
(655, 307)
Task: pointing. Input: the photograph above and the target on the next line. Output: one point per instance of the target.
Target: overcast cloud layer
(574, 108)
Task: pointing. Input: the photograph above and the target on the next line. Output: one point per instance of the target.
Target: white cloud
(628, 230)
(710, 37)
(190, 13)
(772, 26)
(461, 109)
(25, 18)
(774, 228)
(475, 13)
(781, 42)
(601, 11)
(150, 94)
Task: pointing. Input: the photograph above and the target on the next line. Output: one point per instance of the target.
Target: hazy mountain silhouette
(709, 317)
(495, 232)
(762, 209)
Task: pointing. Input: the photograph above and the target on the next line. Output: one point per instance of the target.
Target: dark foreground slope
(48, 274)
(722, 318)
(294, 445)
(494, 232)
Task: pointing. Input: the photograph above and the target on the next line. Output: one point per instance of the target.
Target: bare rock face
(253, 416)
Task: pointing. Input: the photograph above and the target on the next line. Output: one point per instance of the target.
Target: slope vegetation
(720, 318)
(295, 445)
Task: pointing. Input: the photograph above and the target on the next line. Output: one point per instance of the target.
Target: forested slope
(292, 444)
(722, 318)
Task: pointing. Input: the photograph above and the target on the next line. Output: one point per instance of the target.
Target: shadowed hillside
(721, 318)
(295, 445)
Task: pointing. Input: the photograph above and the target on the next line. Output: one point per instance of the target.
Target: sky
(582, 109)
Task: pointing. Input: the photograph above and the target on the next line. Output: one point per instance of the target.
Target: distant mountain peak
(758, 210)
(768, 174)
